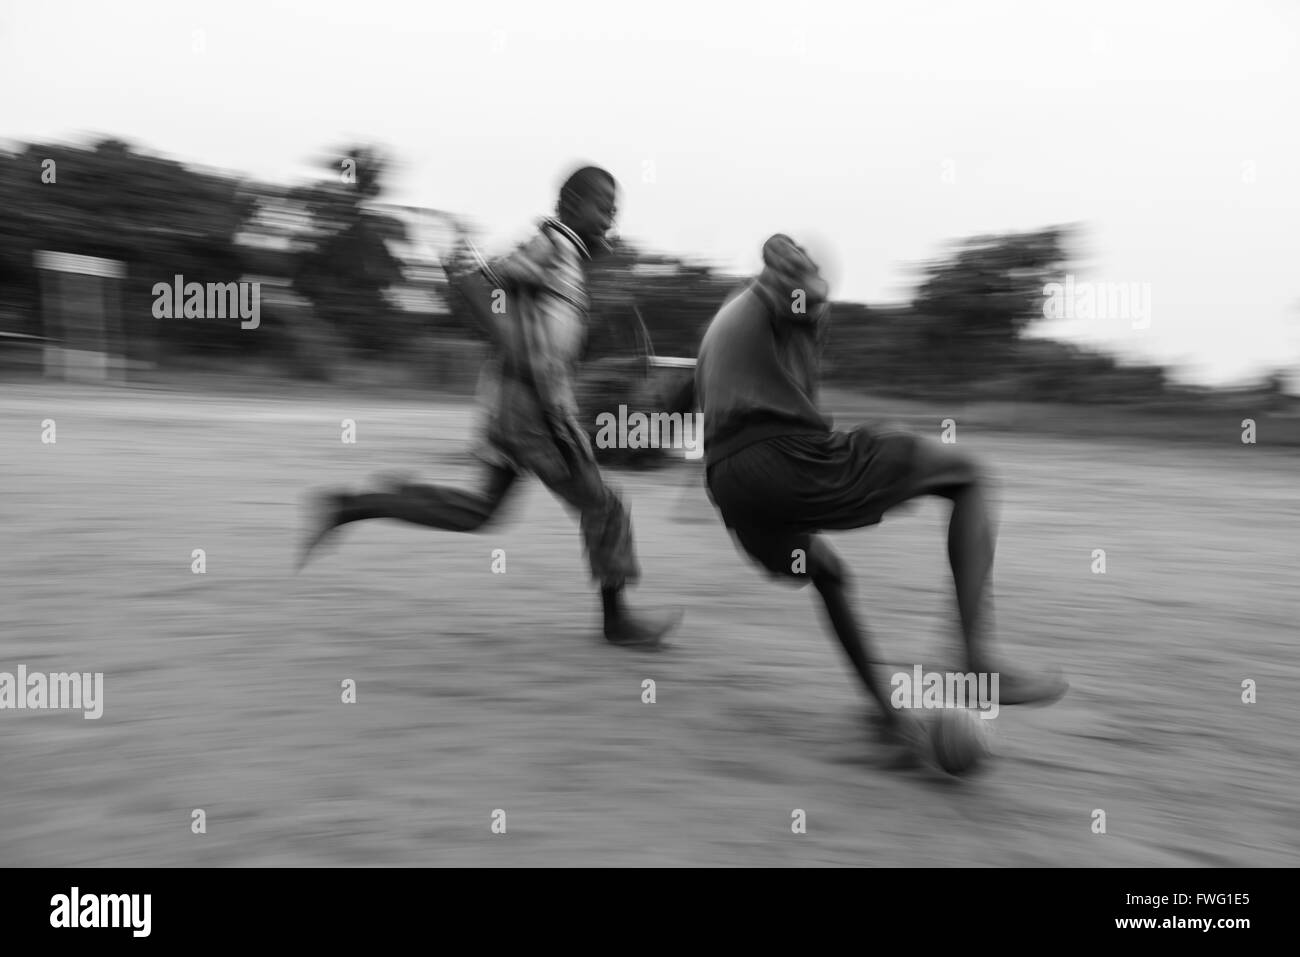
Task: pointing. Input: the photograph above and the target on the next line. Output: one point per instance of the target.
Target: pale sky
(1169, 131)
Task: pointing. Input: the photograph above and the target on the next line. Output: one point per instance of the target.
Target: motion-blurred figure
(778, 473)
(532, 423)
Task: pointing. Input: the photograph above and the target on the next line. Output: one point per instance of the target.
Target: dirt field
(479, 691)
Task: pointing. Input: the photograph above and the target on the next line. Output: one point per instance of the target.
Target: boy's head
(787, 268)
(588, 205)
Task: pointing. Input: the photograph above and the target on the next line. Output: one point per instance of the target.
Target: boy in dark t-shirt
(779, 474)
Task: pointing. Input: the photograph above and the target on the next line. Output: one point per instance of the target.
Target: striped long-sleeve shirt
(539, 308)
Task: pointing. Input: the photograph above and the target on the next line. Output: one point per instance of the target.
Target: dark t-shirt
(757, 373)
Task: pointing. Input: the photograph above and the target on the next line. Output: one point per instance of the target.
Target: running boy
(532, 421)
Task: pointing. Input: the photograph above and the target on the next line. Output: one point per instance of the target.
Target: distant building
(81, 312)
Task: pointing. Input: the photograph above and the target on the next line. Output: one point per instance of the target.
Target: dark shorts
(776, 494)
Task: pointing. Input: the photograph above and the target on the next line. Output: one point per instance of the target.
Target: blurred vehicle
(646, 384)
(630, 381)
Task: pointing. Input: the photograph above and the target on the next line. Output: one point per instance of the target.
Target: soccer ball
(959, 740)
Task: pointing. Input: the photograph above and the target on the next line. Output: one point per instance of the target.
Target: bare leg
(970, 554)
(831, 579)
(971, 543)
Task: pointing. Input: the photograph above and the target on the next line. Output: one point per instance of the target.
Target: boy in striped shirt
(532, 422)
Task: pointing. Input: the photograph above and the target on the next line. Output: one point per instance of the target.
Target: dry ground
(478, 691)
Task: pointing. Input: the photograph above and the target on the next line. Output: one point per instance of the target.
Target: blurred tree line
(325, 253)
